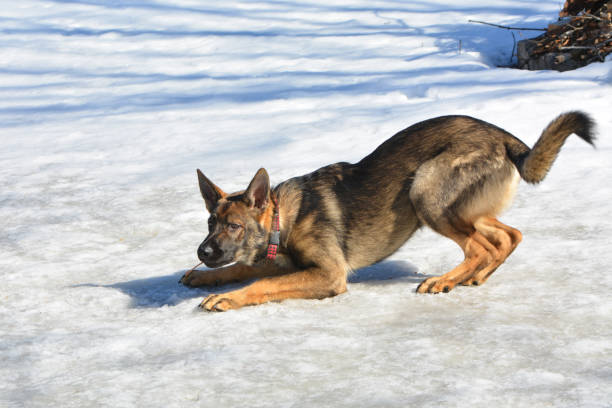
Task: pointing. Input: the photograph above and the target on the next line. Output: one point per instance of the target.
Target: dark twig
(506, 27)
(189, 272)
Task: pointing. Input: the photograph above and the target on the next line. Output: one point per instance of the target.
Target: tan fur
(494, 198)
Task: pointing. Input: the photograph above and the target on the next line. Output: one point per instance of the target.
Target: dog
(300, 239)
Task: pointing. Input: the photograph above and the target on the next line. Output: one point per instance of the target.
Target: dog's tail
(533, 164)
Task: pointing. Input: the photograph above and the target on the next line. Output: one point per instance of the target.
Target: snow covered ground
(106, 110)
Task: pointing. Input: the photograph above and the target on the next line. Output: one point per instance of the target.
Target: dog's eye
(234, 227)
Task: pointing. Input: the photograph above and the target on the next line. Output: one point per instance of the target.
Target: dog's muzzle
(205, 253)
(210, 253)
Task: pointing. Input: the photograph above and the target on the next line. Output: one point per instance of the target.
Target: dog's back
(445, 172)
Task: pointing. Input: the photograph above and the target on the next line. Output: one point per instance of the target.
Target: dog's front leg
(228, 274)
(312, 283)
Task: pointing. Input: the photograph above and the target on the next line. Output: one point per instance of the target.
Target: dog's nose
(205, 252)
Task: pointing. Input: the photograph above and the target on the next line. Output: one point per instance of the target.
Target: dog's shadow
(154, 292)
(385, 271)
(166, 290)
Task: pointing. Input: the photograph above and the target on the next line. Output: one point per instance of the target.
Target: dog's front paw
(436, 284)
(220, 303)
(195, 278)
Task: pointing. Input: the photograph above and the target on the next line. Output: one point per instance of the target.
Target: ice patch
(108, 109)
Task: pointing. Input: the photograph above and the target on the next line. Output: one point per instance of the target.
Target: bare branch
(577, 47)
(591, 16)
(506, 27)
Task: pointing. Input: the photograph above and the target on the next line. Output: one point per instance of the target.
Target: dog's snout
(206, 252)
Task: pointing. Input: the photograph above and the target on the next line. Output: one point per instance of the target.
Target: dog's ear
(210, 193)
(257, 194)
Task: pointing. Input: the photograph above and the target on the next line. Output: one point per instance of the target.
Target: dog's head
(236, 231)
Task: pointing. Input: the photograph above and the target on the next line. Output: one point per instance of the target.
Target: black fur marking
(311, 200)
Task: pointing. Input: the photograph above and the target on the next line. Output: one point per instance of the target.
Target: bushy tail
(533, 165)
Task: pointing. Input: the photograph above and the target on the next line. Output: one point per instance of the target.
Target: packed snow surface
(108, 107)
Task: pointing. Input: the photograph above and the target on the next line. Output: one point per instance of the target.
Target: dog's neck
(274, 241)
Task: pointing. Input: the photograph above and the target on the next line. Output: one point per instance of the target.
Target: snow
(108, 108)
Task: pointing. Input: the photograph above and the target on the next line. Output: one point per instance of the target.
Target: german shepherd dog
(302, 238)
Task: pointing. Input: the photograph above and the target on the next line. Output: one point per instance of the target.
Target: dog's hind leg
(457, 194)
(478, 252)
(505, 239)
